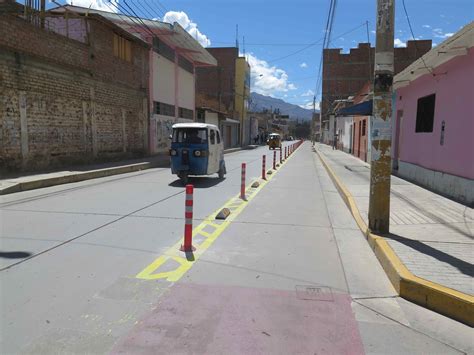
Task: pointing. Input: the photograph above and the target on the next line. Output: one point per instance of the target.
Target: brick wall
(344, 74)
(219, 82)
(64, 102)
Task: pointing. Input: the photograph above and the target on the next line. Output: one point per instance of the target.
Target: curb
(436, 297)
(93, 174)
(238, 149)
(59, 180)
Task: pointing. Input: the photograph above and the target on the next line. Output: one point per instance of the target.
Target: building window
(425, 113)
(163, 109)
(364, 127)
(186, 113)
(122, 48)
(185, 64)
(201, 115)
(163, 49)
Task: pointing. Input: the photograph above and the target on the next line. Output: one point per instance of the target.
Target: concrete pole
(379, 199)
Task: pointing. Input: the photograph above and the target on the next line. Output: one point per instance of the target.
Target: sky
(279, 35)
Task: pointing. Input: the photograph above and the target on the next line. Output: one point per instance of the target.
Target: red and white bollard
(188, 224)
(286, 156)
(274, 159)
(242, 183)
(264, 177)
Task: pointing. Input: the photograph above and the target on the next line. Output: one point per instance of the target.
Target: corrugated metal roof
(456, 45)
(172, 34)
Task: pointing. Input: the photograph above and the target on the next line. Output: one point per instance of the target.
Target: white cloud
(303, 65)
(309, 105)
(444, 35)
(309, 93)
(103, 5)
(426, 26)
(373, 32)
(438, 33)
(183, 19)
(399, 43)
(266, 79)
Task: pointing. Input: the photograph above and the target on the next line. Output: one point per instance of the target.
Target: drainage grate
(314, 293)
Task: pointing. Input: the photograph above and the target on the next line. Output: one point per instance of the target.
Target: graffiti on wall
(163, 131)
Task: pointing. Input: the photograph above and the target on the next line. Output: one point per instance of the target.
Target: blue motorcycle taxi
(196, 149)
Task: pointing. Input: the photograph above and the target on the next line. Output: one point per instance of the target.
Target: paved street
(291, 272)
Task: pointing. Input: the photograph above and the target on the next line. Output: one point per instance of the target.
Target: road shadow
(464, 267)
(198, 182)
(14, 254)
(190, 256)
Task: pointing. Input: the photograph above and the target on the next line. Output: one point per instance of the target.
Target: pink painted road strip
(204, 319)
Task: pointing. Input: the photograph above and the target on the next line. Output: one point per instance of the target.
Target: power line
(158, 13)
(314, 44)
(414, 39)
(139, 19)
(327, 41)
(370, 51)
(121, 13)
(269, 44)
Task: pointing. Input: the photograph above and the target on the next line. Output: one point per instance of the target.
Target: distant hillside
(260, 102)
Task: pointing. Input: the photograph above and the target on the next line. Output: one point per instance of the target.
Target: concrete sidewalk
(31, 181)
(432, 235)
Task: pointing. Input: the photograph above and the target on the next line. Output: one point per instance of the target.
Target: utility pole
(380, 168)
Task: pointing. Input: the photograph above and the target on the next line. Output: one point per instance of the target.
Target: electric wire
(314, 44)
(414, 39)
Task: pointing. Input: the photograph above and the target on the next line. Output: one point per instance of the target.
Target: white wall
(186, 89)
(163, 79)
(212, 118)
(456, 187)
(331, 129)
(344, 125)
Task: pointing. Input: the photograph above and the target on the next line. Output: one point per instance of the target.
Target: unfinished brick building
(218, 83)
(71, 91)
(344, 74)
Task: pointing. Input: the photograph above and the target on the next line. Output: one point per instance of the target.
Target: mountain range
(259, 103)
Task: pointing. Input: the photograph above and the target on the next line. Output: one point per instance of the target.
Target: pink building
(433, 121)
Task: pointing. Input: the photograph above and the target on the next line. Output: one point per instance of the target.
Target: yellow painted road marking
(173, 255)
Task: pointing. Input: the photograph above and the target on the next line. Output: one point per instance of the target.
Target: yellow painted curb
(441, 299)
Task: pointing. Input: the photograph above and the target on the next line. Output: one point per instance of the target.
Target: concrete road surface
(289, 274)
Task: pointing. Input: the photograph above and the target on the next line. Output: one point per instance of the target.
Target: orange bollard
(242, 182)
(188, 224)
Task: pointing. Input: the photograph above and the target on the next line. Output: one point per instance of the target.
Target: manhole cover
(314, 293)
